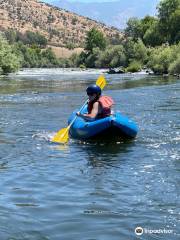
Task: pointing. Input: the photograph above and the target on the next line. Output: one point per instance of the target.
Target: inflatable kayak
(114, 126)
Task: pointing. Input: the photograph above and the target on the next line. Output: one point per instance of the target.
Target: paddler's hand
(78, 114)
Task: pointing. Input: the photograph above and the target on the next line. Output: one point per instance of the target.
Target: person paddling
(98, 106)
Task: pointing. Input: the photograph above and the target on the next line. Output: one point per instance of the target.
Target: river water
(84, 190)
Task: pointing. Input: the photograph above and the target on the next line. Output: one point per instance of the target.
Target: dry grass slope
(58, 25)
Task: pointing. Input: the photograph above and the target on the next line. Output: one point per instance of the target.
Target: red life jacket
(106, 103)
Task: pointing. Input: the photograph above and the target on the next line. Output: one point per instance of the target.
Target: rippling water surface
(80, 190)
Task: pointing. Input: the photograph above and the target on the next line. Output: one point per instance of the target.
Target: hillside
(60, 27)
(113, 13)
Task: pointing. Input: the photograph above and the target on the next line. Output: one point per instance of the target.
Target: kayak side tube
(82, 129)
(125, 125)
(115, 125)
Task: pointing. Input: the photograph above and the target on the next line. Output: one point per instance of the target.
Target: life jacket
(106, 103)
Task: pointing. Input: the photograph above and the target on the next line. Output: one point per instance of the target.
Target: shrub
(174, 67)
(11, 36)
(92, 58)
(70, 46)
(74, 59)
(113, 56)
(82, 66)
(9, 61)
(140, 51)
(134, 67)
(32, 38)
(160, 59)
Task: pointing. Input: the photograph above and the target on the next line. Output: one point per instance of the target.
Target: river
(88, 191)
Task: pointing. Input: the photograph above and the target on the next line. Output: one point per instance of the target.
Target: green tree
(146, 23)
(92, 58)
(174, 67)
(31, 57)
(9, 61)
(95, 39)
(36, 57)
(113, 56)
(35, 38)
(152, 36)
(11, 36)
(135, 51)
(134, 28)
(160, 59)
(175, 30)
(134, 66)
(74, 60)
(128, 45)
(80, 60)
(155, 31)
(150, 31)
(140, 51)
(168, 13)
(50, 56)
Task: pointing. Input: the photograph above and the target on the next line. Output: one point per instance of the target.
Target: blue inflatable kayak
(114, 126)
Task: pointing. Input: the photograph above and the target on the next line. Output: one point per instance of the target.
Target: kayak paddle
(62, 136)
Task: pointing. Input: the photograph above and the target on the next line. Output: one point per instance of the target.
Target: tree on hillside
(28, 38)
(11, 35)
(95, 39)
(36, 38)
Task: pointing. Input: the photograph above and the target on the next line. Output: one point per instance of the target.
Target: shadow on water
(105, 154)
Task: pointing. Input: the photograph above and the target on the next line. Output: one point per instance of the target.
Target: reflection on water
(87, 190)
(58, 82)
(104, 154)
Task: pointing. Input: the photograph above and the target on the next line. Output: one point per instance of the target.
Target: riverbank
(132, 56)
(71, 71)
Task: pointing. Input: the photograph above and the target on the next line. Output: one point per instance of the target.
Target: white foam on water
(47, 136)
(149, 166)
(58, 71)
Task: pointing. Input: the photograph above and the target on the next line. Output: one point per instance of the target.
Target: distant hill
(60, 26)
(113, 13)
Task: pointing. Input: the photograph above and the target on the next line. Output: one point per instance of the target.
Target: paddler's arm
(92, 115)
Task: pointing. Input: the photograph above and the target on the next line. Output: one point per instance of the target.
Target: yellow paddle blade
(101, 82)
(61, 136)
